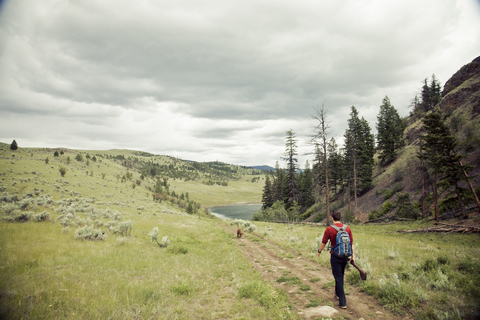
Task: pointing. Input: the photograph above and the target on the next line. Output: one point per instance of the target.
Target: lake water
(239, 211)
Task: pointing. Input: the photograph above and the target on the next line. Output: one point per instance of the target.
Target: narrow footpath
(273, 262)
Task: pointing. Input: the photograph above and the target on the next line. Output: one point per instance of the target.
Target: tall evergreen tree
(389, 132)
(305, 187)
(290, 156)
(279, 184)
(359, 152)
(366, 156)
(268, 193)
(435, 91)
(335, 165)
(439, 153)
(425, 95)
(14, 145)
(430, 94)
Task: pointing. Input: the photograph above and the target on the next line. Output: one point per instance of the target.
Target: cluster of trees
(335, 170)
(183, 200)
(289, 192)
(210, 172)
(430, 95)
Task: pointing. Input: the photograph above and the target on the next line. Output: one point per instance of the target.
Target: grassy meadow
(52, 267)
(426, 275)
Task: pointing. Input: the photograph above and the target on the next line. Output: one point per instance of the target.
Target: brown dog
(239, 233)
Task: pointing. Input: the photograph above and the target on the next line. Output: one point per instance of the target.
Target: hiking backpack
(343, 247)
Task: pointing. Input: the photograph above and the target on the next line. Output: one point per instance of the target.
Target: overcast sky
(217, 80)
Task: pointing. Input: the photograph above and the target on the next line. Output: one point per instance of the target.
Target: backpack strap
(343, 228)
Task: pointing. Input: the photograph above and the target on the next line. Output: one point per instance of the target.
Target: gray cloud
(223, 80)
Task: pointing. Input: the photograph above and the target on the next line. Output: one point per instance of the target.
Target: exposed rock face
(465, 73)
(463, 89)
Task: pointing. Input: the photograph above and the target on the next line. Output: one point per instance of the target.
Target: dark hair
(336, 215)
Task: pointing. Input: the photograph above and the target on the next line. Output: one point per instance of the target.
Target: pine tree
(305, 187)
(389, 132)
(279, 184)
(359, 153)
(440, 155)
(290, 156)
(435, 91)
(268, 194)
(425, 95)
(366, 156)
(335, 165)
(14, 145)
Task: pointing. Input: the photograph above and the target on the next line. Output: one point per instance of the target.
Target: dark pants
(338, 270)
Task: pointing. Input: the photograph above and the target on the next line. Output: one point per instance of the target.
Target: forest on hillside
(440, 143)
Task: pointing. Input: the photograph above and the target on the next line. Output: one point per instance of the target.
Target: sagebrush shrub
(89, 233)
(42, 216)
(123, 228)
(154, 237)
(18, 216)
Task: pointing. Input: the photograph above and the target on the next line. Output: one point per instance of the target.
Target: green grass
(429, 267)
(46, 273)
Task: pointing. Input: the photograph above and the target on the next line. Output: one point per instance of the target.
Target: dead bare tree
(321, 135)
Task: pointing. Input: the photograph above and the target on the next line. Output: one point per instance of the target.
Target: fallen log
(477, 229)
(448, 228)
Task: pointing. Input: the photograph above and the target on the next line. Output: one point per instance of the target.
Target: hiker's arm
(322, 246)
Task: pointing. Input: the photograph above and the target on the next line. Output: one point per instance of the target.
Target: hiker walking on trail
(341, 241)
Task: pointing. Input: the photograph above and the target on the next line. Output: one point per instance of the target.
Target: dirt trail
(271, 262)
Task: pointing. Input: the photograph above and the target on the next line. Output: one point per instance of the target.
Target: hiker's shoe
(343, 307)
(336, 297)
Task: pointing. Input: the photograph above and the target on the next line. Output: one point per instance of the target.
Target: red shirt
(331, 234)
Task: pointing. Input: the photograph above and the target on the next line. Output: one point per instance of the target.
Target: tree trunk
(471, 186)
(435, 197)
(464, 215)
(423, 182)
(355, 185)
(327, 193)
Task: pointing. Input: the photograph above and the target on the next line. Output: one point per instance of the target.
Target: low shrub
(89, 233)
(123, 228)
(18, 216)
(154, 237)
(42, 216)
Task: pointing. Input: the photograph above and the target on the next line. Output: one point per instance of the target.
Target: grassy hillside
(48, 271)
(460, 107)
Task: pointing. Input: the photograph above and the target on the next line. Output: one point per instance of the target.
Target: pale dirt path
(268, 259)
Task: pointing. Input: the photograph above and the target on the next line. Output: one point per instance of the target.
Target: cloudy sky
(217, 80)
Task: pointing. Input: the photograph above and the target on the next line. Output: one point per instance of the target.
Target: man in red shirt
(338, 264)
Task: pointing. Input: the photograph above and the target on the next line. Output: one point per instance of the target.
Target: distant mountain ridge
(264, 167)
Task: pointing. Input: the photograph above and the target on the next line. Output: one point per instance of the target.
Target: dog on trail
(239, 233)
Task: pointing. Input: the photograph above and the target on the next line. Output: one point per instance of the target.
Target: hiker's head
(336, 215)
